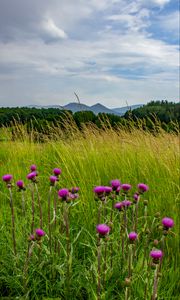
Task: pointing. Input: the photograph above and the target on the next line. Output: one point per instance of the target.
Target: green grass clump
(87, 158)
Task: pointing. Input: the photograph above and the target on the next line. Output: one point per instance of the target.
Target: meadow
(88, 158)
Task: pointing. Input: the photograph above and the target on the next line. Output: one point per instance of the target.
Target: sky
(115, 52)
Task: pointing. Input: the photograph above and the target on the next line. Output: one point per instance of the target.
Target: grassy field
(87, 159)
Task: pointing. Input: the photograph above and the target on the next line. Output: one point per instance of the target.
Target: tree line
(40, 119)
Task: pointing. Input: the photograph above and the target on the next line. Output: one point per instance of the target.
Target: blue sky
(109, 51)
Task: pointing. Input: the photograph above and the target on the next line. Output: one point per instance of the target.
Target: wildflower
(136, 197)
(103, 229)
(74, 190)
(32, 175)
(31, 238)
(126, 187)
(52, 179)
(7, 178)
(20, 184)
(57, 172)
(126, 203)
(143, 188)
(63, 194)
(99, 190)
(39, 233)
(167, 223)
(156, 255)
(119, 206)
(115, 183)
(132, 236)
(33, 168)
(107, 190)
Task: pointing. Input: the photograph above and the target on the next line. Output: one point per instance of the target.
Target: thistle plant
(21, 188)
(157, 257)
(8, 180)
(102, 230)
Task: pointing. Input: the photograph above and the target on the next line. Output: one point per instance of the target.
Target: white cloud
(103, 51)
(52, 30)
(161, 2)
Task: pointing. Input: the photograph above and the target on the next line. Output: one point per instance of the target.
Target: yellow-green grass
(89, 158)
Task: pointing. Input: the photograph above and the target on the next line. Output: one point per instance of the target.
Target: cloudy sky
(109, 51)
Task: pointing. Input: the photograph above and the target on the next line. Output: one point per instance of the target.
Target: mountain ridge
(96, 108)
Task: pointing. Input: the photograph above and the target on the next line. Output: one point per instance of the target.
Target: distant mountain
(96, 108)
(123, 110)
(99, 108)
(74, 107)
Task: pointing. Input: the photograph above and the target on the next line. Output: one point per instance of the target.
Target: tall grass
(87, 158)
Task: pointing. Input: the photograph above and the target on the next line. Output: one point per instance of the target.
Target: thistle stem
(155, 286)
(55, 222)
(23, 204)
(49, 217)
(105, 262)
(40, 207)
(32, 208)
(13, 221)
(66, 220)
(99, 269)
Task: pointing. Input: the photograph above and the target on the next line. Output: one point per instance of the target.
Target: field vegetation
(88, 157)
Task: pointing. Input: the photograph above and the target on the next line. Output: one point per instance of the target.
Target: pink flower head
(33, 168)
(132, 236)
(115, 183)
(63, 193)
(31, 237)
(74, 190)
(103, 229)
(53, 179)
(40, 232)
(167, 222)
(57, 171)
(99, 190)
(126, 187)
(119, 205)
(136, 197)
(126, 203)
(32, 175)
(143, 187)
(7, 178)
(20, 184)
(107, 190)
(156, 254)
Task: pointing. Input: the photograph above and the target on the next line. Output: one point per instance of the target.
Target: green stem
(49, 216)
(155, 286)
(99, 269)
(13, 221)
(40, 207)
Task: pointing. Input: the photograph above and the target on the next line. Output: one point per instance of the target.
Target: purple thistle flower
(40, 232)
(20, 184)
(63, 193)
(119, 206)
(115, 183)
(126, 203)
(143, 187)
(126, 187)
(167, 223)
(99, 190)
(107, 190)
(53, 179)
(74, 190)
(33, 168)
(32, 175)
(31, 238)
(103, 229)
(156, 254)
(7, 178)
(132, 236)
(57, 171)
(136, 197)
